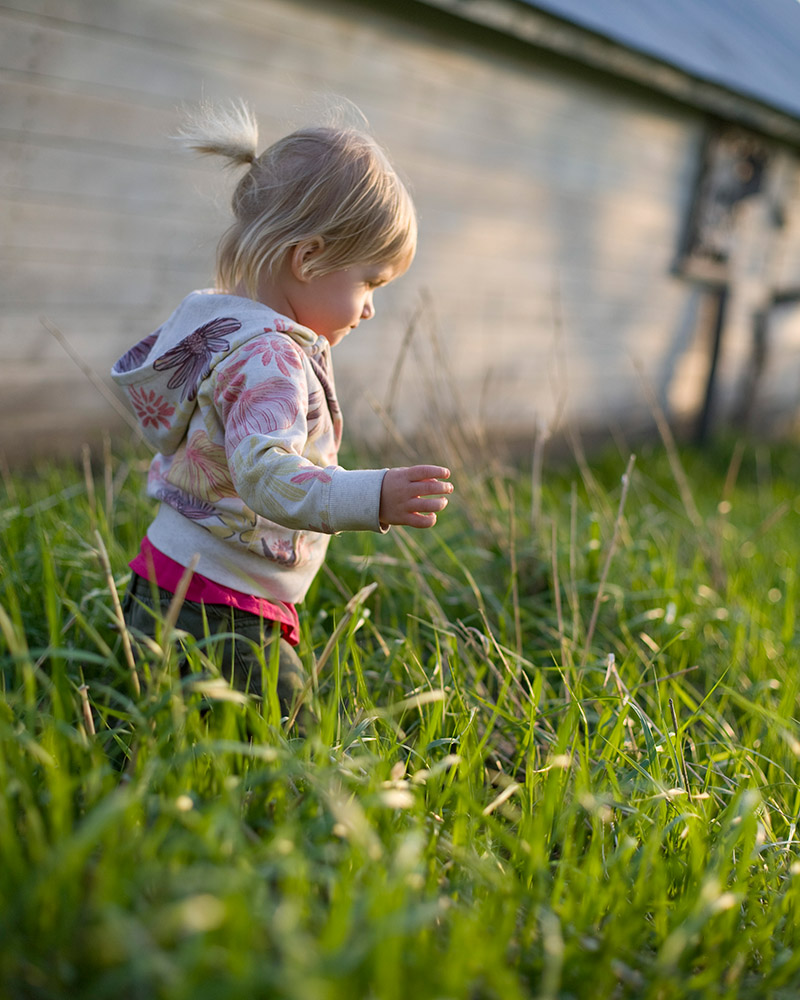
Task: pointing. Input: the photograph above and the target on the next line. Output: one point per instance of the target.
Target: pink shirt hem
(158, 568)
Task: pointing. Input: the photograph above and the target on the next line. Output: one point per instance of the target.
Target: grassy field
(556, 756)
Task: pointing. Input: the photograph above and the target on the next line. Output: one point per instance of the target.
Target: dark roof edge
(563, 38)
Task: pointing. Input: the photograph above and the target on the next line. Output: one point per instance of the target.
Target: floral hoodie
(240, 404)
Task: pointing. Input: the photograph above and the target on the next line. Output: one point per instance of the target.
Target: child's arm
(262, 399)
(414, 495)
(263, 408)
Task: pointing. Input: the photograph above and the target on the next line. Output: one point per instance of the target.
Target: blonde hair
(330, 183)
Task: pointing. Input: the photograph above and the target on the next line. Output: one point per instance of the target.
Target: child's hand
(414, 496)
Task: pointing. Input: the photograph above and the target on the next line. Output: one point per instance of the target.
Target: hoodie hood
(161, 375)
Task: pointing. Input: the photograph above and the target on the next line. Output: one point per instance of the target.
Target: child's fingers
(423, 512)
(420, 520)
(438, 490)
(429, 487)
(425, 505)
(420, 473)
(436, 485)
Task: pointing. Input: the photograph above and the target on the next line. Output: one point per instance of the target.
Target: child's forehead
(388, 270)
(381, 272)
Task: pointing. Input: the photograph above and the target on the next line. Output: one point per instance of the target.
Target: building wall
(551, 199)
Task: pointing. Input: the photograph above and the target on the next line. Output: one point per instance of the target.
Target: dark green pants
(245, 633)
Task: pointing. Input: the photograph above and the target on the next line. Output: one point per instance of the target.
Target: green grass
(557, 753)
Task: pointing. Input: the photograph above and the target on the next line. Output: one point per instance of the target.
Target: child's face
(334, 304)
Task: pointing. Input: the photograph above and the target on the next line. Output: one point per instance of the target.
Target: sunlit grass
(556, 752)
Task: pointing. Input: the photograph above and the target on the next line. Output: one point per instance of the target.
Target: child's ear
(304, 255)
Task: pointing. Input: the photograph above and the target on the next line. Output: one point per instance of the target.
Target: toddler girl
(236, 393)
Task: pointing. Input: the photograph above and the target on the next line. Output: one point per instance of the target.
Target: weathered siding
(552, 203)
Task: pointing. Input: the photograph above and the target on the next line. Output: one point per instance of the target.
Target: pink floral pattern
(319, 474)
(152, 410)
(283, 352)
(263, 409)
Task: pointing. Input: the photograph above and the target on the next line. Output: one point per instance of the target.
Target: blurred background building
(608, 194)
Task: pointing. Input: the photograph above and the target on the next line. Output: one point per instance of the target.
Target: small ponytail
(230, 131)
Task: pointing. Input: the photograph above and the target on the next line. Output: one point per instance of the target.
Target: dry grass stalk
(178, 598)
(123, 628)
(108, 476)
(86, 708)
(86, 454)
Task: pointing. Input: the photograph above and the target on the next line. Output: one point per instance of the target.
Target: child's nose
(369, 309)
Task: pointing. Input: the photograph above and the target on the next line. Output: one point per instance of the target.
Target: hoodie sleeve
(263, 401)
